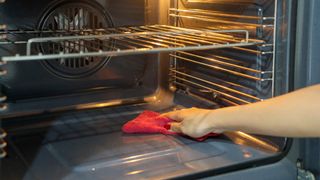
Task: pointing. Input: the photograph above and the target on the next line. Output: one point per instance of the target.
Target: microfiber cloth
(152, 122)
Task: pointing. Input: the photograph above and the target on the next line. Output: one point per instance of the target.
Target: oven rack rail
(218, 89)
(3, 143)
(223, 66)
(3, 105)
(231, 94)
(223, 1)
(253, 80)
(249, 22)
(125, 41)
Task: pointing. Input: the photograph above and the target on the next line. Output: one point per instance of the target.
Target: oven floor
(90, 145)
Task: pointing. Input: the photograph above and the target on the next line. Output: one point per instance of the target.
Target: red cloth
(150, 122)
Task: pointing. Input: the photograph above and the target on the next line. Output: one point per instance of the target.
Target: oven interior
(74, 71)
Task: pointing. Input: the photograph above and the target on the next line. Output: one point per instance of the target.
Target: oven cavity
(74, 18)
(218, 51)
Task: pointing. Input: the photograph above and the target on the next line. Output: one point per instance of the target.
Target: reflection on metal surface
(150, 99)
(100, 105)
(114, 154)
(247, 154)
(135, 172)
(220, 1)
(127, 160)
(249, 140)
(113, 103)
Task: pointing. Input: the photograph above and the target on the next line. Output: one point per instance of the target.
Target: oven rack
(124, 41)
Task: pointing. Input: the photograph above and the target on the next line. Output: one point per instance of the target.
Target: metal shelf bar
(217, 13)
(217, 85)
(222, 63)
(220, 68)
(212, 90)
(213, 16)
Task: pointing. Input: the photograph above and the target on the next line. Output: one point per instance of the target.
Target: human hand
(193, 122)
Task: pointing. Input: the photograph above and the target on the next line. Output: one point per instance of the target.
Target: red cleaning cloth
(150, 122)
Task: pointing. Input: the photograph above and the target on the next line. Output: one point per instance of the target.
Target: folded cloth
(152, 122)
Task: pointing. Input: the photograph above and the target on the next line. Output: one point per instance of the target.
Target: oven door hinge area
(304, 174)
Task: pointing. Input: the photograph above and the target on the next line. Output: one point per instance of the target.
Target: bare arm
(295, 114)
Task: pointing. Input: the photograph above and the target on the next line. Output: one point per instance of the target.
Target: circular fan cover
(69, 17)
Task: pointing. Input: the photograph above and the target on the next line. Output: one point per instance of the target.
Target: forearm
(293, 115)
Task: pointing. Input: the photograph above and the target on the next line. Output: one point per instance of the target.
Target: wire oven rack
(122, 41)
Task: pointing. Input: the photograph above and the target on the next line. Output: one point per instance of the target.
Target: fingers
(178, 115)
(174, 115)
(175, 127)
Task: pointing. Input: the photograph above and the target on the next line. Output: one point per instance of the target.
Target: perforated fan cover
(68, 17)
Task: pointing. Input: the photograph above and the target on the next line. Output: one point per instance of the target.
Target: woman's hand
(193, 122)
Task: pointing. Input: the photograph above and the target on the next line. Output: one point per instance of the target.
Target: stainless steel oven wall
(229, 76)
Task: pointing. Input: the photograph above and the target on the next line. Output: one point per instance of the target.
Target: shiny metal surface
(3, 98)
(89, 145)
(248, 70)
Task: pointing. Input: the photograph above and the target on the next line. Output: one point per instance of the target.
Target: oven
(74, 71)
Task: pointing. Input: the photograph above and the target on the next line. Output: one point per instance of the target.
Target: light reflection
(135, 172)
(241, 139)
(247, 155)
(100, 105)
(151, 99)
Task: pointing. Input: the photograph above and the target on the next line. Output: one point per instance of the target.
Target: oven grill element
(3, 105)
(74, 16)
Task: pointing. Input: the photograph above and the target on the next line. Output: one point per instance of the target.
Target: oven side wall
(306, 73)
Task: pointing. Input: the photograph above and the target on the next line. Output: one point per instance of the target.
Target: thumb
(175, 127)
